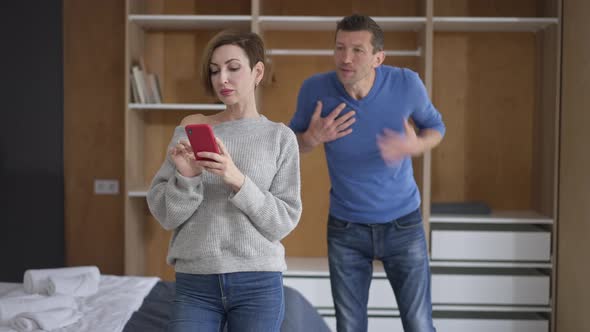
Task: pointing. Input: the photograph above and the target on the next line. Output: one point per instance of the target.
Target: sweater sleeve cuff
(185, 183)
(249, 199)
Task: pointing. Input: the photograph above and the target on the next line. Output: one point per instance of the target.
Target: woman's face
(231, 76)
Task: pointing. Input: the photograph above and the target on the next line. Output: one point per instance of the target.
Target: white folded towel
(45, 320)
(12, 306)
(80, 285)
(37, 281)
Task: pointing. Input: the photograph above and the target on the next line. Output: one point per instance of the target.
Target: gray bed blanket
(152, 316)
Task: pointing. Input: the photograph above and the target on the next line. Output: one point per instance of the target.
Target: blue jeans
(401, 246)
(246, 301)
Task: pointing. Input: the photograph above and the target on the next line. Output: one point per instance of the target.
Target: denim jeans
(246, 301)
(401, 246)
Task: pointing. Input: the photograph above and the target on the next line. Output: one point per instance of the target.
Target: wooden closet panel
(156, 240)
(451, 97)
(279, 99)
(158, 129)
(233, 7)
(545, 126)
(196, 7)
(182, 66)
(309, 237)
(484, 85)
(341, 8)
(551, 8)
(574, 181)
(325, 40)
(491, 8)
(94, 48)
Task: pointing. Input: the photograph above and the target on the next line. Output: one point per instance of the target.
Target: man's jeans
(247, 301)
(401, 246)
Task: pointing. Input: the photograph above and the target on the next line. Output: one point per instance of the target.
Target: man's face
(353, 56)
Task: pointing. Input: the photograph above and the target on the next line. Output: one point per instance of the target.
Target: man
(360, 113)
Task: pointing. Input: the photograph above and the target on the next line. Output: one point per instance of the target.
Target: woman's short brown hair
(250, 42)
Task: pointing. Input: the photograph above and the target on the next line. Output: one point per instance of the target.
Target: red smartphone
(201, 138)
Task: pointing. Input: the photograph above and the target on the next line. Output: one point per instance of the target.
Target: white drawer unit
(318, 292)
(467, 295)
(491, 245)
(376, 324)
(457, 324)
(473, 286)
(381, 295)
(490, 325)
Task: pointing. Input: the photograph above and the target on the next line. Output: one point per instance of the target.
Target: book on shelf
(145, 86)
(154, 87)
(139, 80)
(134, 90)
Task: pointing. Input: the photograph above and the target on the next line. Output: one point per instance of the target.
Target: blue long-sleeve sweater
(364, 188)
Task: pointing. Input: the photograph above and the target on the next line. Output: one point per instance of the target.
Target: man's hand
(322, 130)
(394, 146)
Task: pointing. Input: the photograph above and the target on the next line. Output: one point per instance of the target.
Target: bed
(134, 304)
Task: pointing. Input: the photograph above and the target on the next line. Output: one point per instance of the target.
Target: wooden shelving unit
(491, 70)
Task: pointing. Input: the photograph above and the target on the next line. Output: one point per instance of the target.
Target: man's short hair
(358, 22)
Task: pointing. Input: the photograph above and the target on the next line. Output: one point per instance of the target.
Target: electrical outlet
(106, 187)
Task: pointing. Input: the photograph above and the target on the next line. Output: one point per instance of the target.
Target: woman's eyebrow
(228, 61)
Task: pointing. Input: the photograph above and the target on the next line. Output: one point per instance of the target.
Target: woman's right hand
(184, 158)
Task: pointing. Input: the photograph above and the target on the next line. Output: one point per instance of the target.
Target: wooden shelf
(496, 217)
(464, 57)
(190, 22)
(195, 107)
(328, 23)
(490, 308)
(482, 264)
(508, 24)
(371, 312)
(454, 308)
(312, 52)
(139, 193)
(318, 267)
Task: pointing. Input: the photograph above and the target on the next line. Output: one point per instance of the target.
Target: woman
(229, 214)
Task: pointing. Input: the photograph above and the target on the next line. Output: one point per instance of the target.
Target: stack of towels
(49, 298)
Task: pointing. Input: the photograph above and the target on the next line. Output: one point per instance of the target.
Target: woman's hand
(184, 159)
(222, 165)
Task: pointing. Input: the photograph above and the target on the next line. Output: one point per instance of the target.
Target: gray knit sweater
(217, 231)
